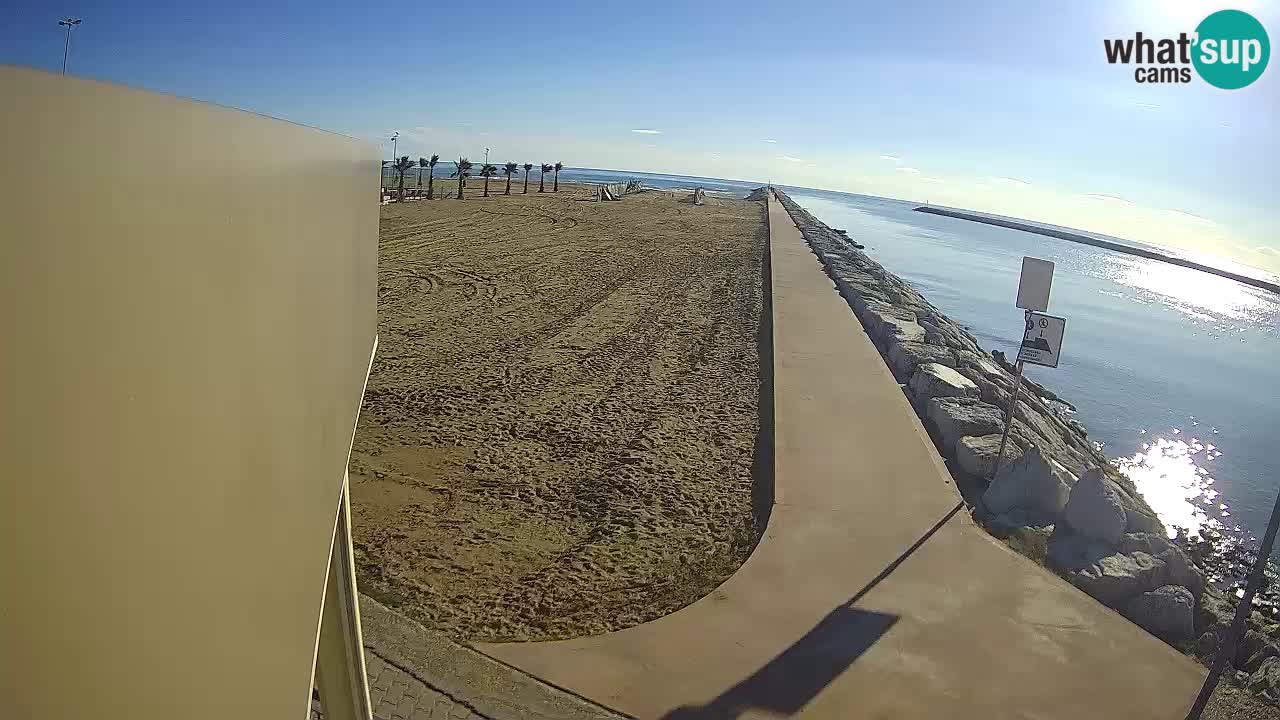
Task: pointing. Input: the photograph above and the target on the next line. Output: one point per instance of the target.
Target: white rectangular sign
(1034, 284)
(1042, 340)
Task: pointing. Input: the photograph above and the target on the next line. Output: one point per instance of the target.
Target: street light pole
(394, 137)
(66, 46)
(1229, 643)
(486, 156)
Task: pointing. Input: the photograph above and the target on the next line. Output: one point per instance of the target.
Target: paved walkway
(872, 593)
(420, 674)
(397, 695)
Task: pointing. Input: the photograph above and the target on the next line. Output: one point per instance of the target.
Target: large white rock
(1138, 521)
(976, 455)
(932, 380)
(881, 318)
(1167, 612)
(1116, 579)
(905, 357)
(868, 302)
(1179, 570)
(1146, 542)
(1094, 509)
(955, 417)
(988, 368)
(1265, 681)
(895, 330)
(1069, 552)
(1031, 483)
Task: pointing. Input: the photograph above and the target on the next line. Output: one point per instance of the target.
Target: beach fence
(183, 368)
(390, 194)
(616, 191)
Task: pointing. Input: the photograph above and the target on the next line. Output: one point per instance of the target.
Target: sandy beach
(558, 433)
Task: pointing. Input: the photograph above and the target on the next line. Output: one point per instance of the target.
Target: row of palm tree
(462, 170)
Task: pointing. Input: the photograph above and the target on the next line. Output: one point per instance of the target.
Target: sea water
(1173, 371)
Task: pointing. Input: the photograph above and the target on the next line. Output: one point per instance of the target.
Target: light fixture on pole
(66, 46)
(486, 156)
(395, 136)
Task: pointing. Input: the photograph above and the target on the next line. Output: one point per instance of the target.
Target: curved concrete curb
(871, 594)
(460, 681)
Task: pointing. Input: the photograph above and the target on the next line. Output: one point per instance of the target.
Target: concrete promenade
(872, 594)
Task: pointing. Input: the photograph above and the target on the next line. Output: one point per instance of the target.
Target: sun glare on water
(1172, 474)
(1199, 294)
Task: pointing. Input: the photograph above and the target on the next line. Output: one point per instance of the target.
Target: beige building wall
(189, 306)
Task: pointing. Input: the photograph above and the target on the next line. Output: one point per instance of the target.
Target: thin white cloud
(789, 158)
(933, 180)
(890, 158)
(1266, 250)
(647, 131)
(1184, 215)
(1147, 106)
(1107, 198)
(771, 141)
(908, 170)
(1010, 181)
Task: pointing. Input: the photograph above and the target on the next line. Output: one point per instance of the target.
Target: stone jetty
(1057, 498)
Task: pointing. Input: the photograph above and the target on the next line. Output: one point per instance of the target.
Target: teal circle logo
(1232, 49)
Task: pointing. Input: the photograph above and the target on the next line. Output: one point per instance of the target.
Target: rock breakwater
(1057, 498)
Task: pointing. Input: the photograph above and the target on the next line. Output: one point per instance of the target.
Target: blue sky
(1006, 107)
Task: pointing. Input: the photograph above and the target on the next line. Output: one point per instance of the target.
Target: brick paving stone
(396, 691)
(443, 707)
(397, 695)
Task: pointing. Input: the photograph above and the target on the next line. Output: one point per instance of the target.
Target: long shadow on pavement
(791, 680)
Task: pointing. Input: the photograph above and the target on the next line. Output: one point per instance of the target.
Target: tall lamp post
(395, 136)
(68, 23)
(1228, 643)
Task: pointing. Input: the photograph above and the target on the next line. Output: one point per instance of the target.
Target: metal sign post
(1041, 336)
(1008, 417)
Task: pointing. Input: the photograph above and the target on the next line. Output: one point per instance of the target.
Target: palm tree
(487, 171)
(543, 177)
(555, 187)
(509, 169)
(527, 168)
(462, 170)
(422, 162)
(401, 167)
(431, 175)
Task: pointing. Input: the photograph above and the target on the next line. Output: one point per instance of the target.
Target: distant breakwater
(1096, 242)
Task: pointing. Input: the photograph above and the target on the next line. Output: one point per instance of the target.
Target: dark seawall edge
(1116, 247)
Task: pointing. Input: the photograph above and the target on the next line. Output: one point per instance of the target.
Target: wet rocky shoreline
(1057, 498)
